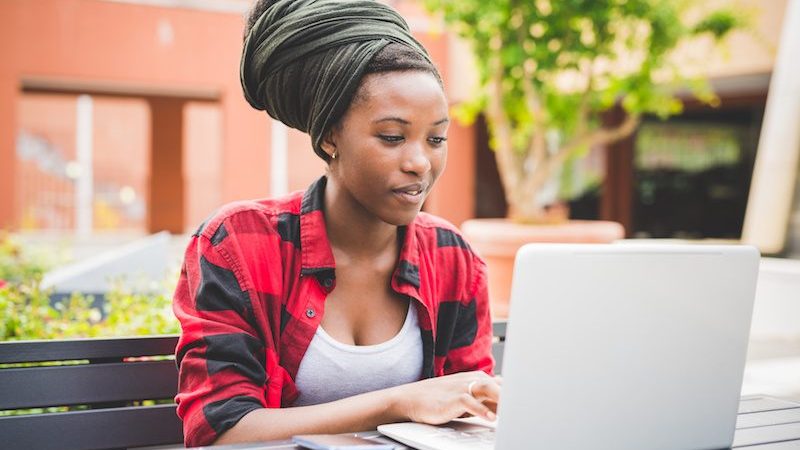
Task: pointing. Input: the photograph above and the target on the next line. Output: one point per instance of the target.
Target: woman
(344, 307)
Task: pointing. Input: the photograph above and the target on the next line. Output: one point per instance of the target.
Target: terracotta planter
(497, 241)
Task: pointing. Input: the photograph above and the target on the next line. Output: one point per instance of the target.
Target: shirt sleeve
(220, 357)
(471, 345)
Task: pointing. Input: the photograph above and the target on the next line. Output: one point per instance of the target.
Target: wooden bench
(102, 381)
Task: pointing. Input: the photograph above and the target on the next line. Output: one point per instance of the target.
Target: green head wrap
(303, 60)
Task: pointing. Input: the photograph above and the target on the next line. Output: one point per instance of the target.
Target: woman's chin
(400, 218)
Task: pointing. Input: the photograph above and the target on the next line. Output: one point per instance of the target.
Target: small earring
(333, 155)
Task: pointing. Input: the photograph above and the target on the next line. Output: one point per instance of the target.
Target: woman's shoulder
(429, 221)
(445, 233)
(248, 215)
(437, 234)
(444, 250)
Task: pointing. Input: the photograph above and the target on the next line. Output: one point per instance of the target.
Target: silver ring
(470, 386)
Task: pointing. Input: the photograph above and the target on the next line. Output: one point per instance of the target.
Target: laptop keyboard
(460, 434)
(477, 436)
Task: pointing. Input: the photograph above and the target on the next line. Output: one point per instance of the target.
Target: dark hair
(258, 8)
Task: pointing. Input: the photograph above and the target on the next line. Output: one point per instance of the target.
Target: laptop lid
(626, 346)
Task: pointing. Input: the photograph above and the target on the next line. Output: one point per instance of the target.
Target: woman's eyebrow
(393, 119)
(405, 122)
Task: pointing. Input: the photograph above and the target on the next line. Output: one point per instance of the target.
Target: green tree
(548, 69)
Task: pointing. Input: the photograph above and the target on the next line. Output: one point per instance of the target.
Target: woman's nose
(416, 160)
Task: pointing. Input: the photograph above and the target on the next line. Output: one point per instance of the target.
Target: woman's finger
(491, 405)
(476, 408)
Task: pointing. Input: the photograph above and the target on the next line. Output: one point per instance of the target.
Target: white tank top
(331, 370)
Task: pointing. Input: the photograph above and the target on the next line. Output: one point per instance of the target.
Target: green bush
(26, 311)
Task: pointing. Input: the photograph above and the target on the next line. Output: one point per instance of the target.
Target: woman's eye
(437, 140)
(390, 138)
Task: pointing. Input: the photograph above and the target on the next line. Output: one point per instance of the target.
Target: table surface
(764, 423)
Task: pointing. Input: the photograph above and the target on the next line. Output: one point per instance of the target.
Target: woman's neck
(354, 230)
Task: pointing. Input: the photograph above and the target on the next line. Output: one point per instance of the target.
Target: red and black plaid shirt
(252, 294)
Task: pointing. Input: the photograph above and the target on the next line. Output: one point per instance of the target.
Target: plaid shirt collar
(317, 255)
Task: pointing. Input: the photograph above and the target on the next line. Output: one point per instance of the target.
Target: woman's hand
(439, 400)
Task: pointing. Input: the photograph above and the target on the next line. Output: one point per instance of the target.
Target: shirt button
(310, 313)
(327, 282)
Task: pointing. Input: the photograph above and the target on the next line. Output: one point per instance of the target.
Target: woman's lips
(412, 194)
(409, 198)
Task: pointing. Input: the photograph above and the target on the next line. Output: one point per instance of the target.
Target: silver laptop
(627, 346)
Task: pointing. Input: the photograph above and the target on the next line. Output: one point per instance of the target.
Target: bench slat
(60, 350)
(87, 383)
(111, 428)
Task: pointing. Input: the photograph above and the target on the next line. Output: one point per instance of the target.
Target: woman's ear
(329, 143)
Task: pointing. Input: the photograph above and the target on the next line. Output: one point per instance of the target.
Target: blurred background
(123, 126)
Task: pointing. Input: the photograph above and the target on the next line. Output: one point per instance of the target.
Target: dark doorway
(490, 200)
(692, 172)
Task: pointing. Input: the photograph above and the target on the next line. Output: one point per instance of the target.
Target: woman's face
(391, 144)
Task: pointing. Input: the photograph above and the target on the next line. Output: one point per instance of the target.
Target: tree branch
(583, 107)
(601, 136)
(511, 173)
(536, 151)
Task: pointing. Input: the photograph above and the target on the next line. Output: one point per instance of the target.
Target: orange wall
(304, 165)
(8, 127)
(136, 46)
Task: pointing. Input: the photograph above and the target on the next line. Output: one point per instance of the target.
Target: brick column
(166, 203)
(8, 134)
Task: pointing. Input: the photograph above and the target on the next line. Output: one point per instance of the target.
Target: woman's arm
(434, 401)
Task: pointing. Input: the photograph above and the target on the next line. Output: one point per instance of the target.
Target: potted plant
(548, 70)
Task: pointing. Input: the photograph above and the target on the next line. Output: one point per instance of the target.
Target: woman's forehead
(394, 92)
